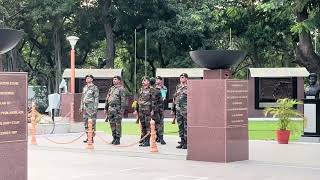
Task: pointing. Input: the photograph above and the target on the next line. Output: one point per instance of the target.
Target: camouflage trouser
(145, 118)
(89, 113)
(115, 118)
(182, 124)
(158, 118)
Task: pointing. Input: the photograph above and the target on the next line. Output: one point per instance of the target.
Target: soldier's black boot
(117, 141)
(114, 139)
(146, 142)
(181, 144)
(162, 141)
(184, 146)
(185, 143)
(85, 141)
(158, 138)
(141, 143)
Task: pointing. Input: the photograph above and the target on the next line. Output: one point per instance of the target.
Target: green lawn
(265, 130)
(258, 130)
(132, 128)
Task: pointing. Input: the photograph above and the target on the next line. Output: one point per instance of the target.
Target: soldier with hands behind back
(114, 108)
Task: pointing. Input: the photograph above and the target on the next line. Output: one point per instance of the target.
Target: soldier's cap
(89, 75)
(117, 77)
(184, 75)
(146, 78)
(159, 77)
(152, 81)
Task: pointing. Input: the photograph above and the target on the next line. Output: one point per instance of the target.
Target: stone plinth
(13, 126)
(217, 74)
(311, 132)
(66, 100)
(217, 120)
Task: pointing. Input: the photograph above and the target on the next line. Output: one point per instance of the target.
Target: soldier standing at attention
(180, 107)
(89, 103)
(114, 108)
(145, 110)
(158, 114)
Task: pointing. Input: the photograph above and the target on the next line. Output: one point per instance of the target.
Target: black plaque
(269, 90)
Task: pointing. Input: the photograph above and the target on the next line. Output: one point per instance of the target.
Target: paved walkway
(268, 161)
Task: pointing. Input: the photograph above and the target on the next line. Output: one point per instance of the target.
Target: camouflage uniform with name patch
(145, 107)
(115, 106)
(89, 104)
(180, 104)
(158, 112)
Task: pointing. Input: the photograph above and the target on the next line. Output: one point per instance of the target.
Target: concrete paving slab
(268, 161)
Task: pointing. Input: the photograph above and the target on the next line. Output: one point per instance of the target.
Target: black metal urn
(9, 38)
(217, 59)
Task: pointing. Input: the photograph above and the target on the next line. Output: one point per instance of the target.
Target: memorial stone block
(13, 126)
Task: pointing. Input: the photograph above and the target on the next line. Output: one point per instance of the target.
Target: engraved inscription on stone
(237, 100)
(13, 107)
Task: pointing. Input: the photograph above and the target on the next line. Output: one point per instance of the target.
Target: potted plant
(284, 112)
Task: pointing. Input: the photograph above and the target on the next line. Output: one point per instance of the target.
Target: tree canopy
(274, 33)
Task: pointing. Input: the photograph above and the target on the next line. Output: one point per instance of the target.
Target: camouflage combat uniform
(89, 104)
(115, 106)
(145, 106)
(180, 101)
(158, 112)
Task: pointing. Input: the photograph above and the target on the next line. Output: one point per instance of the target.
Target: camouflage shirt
(115, 99)
(145, 100)
(90, 95)
(180, 97)
(156, 99)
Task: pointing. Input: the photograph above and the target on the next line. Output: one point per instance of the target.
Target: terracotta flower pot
(283, 136)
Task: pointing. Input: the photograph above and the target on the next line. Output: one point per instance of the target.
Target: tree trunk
(17, 60)
(57, 59)
(107, 24)
(305, 55)
(255, 56)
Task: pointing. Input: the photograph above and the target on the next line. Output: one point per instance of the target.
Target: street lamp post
(73, 41)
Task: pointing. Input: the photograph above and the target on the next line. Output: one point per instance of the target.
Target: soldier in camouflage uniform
(145, 109)
(114, 107)
(158, 110)
(180, 107)
(89, 103)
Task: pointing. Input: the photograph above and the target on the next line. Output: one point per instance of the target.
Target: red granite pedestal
(13, 126)
(217, 118)
(66, 100)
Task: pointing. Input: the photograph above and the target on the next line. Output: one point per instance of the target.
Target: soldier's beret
(184, 75)
(152, 80)
(118, 77)
(89, 75)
